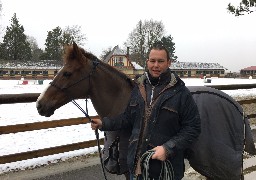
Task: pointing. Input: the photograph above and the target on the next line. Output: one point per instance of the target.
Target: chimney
(127, 53)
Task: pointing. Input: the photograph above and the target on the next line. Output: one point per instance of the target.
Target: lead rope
(96, 132)
(242, 164)
(166, 173)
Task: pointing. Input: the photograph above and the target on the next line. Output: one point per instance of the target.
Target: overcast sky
(203, 30)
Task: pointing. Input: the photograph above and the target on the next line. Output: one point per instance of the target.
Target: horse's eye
(67, 74)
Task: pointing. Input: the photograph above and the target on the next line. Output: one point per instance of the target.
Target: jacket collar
(165, 78)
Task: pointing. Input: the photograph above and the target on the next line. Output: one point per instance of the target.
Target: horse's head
(66, 85)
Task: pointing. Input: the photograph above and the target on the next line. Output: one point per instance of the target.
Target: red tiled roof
(250, 68)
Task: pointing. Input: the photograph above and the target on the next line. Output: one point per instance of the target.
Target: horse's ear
(74, 44)
(77, 52)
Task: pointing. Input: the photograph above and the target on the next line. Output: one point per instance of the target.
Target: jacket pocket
(134, 110)
(167, 122)
(170, 109)
(171, 105)
(133, 105)
(169, 117)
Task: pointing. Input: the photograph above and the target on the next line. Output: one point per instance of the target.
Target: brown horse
(218, 152)
(83, 75)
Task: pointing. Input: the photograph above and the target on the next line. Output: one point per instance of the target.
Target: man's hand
(96, 124)
(160, 153)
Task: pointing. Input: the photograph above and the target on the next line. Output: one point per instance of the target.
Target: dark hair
(160, 46)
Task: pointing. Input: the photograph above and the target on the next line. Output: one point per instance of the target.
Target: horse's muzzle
(44, 110)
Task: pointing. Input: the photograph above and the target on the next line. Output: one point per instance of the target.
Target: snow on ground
(22, 113)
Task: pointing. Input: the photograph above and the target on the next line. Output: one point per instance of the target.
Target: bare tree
(245, 6)
(32, 42)
(155, 31)
(73, 33)
(35, 50)
(105, 53)
(143, 36)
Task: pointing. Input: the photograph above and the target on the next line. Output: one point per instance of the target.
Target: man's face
(157, 62)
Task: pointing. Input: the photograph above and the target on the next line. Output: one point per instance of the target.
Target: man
(163, 117)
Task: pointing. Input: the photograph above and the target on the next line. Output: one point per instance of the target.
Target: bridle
(64, 89)
(95, 62)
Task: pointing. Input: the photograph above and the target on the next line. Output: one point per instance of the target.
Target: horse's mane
(69, 55)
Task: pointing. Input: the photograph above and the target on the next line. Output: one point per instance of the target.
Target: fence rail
(32, 97)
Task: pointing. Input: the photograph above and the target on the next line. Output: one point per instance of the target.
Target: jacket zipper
(152, 94)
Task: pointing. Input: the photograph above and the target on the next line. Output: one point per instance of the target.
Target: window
(37, 72)
(25, 72)
(12, 73)
(118, 61)
(45, 73)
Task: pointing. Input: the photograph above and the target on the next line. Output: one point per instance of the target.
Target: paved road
(90, 173)
(75, 169)
(78, 170)
(85, 169)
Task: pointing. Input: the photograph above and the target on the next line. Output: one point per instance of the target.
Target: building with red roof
(249, 71)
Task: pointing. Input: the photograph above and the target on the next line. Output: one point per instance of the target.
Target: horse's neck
(109, 96)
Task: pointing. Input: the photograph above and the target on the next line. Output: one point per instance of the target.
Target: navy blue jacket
(172, 120)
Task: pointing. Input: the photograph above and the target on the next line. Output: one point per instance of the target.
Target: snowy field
(27, 113)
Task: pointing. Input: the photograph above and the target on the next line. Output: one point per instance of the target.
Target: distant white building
(43, 69)
(198, 69)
